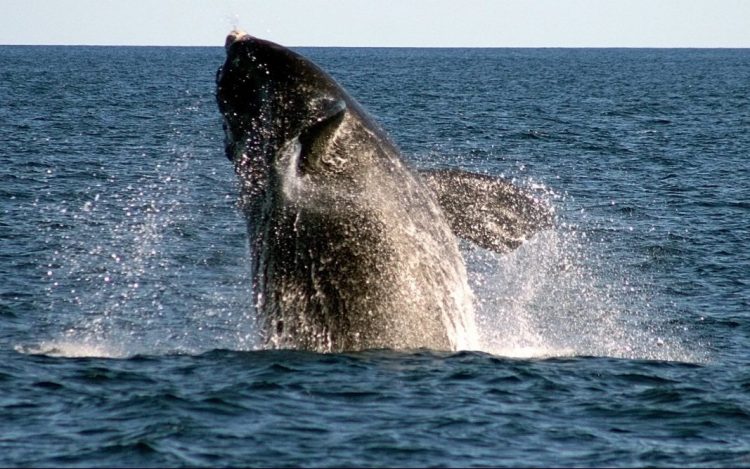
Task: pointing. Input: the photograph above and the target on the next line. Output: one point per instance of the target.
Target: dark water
(620, 338)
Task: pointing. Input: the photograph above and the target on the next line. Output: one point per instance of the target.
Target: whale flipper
(488, 211)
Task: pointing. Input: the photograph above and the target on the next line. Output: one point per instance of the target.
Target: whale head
(272, 99)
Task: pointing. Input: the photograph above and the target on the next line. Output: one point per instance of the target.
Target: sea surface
(621, 337)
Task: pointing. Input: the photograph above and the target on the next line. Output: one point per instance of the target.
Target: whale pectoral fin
(488, 211)
(314, 138)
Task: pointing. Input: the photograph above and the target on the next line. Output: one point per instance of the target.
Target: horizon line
(218, 46)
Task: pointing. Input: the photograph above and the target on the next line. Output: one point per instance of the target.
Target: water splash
(234, 21)
(555, 296)
(133, 272)
(130, 278)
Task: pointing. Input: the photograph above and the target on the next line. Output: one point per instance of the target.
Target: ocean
(620, 337)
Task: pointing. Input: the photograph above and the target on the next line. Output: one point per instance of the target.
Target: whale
(352, 248)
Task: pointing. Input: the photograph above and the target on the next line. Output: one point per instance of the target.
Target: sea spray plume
(351, 249)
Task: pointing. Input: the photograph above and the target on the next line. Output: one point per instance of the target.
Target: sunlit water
(619, 337)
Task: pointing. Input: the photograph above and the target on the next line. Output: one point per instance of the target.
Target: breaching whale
(351, 248)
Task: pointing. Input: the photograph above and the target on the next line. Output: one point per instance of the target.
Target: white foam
(72, 349)
(528, 352)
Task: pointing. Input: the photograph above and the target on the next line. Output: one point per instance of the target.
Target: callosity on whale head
(351, 248)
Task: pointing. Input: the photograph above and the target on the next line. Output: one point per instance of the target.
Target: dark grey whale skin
(351, 248)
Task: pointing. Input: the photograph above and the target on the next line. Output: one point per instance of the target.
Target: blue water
(621, 337)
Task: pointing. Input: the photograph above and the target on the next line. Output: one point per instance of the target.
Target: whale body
(351, 248)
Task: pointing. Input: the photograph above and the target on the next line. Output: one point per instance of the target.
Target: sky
(385, 23)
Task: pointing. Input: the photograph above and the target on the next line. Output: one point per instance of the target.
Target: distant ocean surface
(619, 338)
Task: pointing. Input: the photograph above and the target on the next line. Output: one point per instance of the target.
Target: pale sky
(416, 23)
